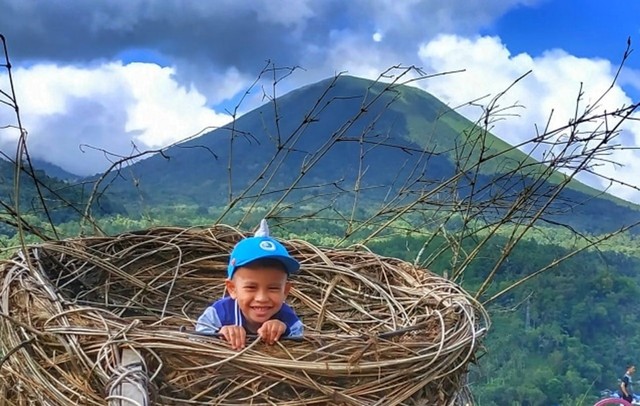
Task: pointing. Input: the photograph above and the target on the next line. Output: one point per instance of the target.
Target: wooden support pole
(129, 386)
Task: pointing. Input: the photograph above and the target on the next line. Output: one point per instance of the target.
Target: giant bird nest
(379, 331)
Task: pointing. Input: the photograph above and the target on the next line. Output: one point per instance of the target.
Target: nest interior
(377, 330)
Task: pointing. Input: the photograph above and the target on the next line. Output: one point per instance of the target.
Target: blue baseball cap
(254, 248)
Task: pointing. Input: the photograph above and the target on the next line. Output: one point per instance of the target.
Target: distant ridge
(54, 171)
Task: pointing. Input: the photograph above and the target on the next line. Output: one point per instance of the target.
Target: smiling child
(257, 284)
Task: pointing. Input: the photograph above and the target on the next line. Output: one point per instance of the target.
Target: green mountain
(348, 139)
(37, 191)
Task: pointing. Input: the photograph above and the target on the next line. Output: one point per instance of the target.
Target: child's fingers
(265, 333)
(235, 337)
(273, 333)
(225, 334)
(238, 339)
(242, 338)
(277, 332)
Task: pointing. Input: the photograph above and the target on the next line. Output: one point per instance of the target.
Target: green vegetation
(43, 197)
(350, 161)
(559, 339)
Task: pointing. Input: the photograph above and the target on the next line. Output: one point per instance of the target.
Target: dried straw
(378, 330)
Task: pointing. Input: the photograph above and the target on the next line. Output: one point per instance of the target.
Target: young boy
(257, 283)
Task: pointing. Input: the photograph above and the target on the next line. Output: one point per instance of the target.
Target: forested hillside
(560, 338)
(45, 199)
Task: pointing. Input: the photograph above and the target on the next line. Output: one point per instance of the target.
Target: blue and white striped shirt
(226, 312)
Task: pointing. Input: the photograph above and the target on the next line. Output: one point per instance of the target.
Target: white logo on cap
(267, 246)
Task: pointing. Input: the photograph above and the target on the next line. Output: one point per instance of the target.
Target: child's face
(259, 291)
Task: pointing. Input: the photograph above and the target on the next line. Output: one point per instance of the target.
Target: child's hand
(235, 335)
(271, 331)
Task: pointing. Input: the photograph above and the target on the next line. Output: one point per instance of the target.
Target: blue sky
(110, 74)
(583, 28)
(588, 29)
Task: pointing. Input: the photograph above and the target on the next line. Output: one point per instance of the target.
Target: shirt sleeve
(296, 330)
(209, 321)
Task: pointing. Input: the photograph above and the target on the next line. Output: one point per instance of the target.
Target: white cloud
(105, 106)
(164, 111)
(631, 78)
(553, 85)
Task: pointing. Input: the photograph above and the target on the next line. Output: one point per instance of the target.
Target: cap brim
(291, 265)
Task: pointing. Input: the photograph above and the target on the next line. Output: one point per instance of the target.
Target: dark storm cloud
(221, 33)
(224, 33)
